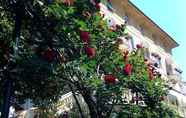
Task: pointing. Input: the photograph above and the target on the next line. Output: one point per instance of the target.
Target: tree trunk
(76, 100)
(91, 104)
(7, 92)
(137, 98)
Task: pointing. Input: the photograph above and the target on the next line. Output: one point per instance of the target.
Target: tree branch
(77, 102)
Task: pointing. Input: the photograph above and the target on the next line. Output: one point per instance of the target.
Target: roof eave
(174, 43)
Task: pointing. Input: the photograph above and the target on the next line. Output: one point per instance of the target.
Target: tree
(67, 46)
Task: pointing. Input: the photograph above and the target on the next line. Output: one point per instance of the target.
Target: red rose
(90, 52)
(110, 79)
(125, 55)
(68, 2)
(145, 60)
(139, 46)
(162, 98)
(125, 58)
(49, 55)
(150, 73)
(118, 26)
(97, 6)
(84, 35)
(149, 64)
(127, 69)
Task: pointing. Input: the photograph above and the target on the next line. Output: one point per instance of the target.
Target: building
(157, 43)
(158, 47)
(176, 97)
(144, 31)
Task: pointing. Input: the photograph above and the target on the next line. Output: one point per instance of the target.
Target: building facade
(158, 49)
(144, 31)
(157, 43)
(176, 98)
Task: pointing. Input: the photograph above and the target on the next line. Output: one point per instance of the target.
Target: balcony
(174, 77)
(177, 94)
(181, 110)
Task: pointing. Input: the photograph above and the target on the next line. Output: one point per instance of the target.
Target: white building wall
(155, 45)
(139, 38)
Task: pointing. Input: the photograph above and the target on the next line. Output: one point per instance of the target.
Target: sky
(170, 15)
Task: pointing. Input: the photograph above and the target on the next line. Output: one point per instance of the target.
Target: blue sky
(170, 15)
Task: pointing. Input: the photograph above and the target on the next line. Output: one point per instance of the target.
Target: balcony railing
(180, 110)
(174, 77)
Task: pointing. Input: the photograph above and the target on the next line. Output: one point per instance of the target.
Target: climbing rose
(110, 79)
(118, 26)
(84, 35)
(150, 73)
(139, 46)
(162, 98)
(90, 52)
(145, 60)
(97, 6)
(48, 55)
(68, 2)
(127, 69)
(125, 55)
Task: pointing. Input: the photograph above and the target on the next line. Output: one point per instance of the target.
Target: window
(111, 23)
(172, 102)
(141, 30)
(159, 62)
(179, 71)
(126, 19)
(109, 6)
(126, 42)
(177, 103)
(169, 68)
(130, 43)
(146, 53)
(156, 60)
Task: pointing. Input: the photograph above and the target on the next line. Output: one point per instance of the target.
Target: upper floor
(142, 30)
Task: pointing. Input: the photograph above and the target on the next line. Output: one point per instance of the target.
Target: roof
(174, 43)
